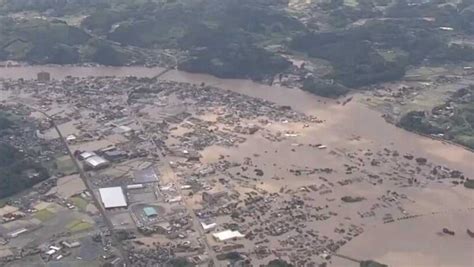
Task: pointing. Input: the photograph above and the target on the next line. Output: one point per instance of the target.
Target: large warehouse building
(96, 162)
(113, 197)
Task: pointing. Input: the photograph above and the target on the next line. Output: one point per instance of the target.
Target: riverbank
(351, 131)
(299, 158)
(343, 121)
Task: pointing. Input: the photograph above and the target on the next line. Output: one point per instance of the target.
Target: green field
(80, 203)
(65, 165)
(44, 215)
(78, 226)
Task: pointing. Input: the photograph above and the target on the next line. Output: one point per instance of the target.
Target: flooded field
(405, 245)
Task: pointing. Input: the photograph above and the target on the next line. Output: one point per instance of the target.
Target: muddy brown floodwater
(342, 122)
(352, 126)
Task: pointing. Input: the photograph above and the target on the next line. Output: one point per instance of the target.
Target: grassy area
(65, 165)
(78, 226)
(469, 184)
(44, 215)
(392, 54)
(80, 203)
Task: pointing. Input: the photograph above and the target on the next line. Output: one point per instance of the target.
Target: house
(73, 244)
(213, 197)
(115, 155)
(135, 186)
(86, 155)
(96, 162)
(150, 212)
(18, 232)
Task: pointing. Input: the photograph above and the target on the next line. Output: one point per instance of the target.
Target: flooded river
(350, 127)
(343, 124)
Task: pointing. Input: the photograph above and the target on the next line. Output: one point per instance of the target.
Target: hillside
(365, 41)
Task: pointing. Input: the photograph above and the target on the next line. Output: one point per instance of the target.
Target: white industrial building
(135, 186)
(96, 162)
(18, 232)
(227, 234)
(86, 155)
(113, 197)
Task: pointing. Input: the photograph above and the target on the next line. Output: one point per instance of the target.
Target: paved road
(85, 178)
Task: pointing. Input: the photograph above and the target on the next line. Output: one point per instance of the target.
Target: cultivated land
(301, 177)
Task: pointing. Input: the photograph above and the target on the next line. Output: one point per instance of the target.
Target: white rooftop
(227, 234)
(86, 155)
(206, 226)
(96, 161)
(113, 197)
(71, 137)
(125, 129)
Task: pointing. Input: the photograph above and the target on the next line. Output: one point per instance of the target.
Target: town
(145, 172)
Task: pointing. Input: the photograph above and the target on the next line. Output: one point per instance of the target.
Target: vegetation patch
(324, 88)
(17, 171)
(65, 165)
(452, 120)
(469, 183)
(181, 262)
(3, 202)
(80, 203)
(44, 215)
(78, 226)
(5, 122)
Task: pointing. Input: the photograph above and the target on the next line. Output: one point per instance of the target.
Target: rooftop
(96, 161)
(226, 235)
(150, 211)
(85, 155)
(113, 197)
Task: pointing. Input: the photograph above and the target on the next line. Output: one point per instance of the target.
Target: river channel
(343, 124)
(348, 127)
